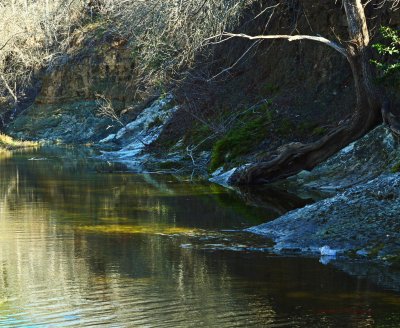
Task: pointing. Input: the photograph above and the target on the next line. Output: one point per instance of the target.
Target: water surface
(81, 248)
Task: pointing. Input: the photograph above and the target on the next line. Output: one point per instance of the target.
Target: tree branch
(290, 38)
(12, 93)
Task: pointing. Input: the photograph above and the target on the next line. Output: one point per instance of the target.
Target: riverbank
(359, 217)
(8, 143)
(360, 222)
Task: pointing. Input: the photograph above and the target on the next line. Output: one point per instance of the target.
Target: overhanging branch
(290, 38)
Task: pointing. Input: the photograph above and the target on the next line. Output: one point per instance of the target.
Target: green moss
(285, 127)
(238, 141)
(374, 252)
(270, 88)
(252, 127)
(352, 254)
(168, 106)
(396, 168)
(310, 128)
(197, 134)
(394, 260)
(319, 131)
(306, 127)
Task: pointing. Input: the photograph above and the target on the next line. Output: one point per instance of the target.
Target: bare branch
(106, 108)
(290, 38)
(12, 93)
(234, 64)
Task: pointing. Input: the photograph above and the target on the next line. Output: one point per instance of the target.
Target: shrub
(389, 51)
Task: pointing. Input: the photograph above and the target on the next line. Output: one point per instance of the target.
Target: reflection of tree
(46, 260)
(82, 194)
(50, 271)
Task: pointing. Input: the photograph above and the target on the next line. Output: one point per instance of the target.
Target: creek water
(81, 248)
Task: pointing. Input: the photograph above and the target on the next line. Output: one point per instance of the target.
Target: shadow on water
(275, 201)
(83, 249)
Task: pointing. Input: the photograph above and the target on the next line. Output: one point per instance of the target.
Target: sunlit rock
(222, 178)
(140, 133)
(327, 251)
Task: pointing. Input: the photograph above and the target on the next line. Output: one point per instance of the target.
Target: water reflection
(79, 248)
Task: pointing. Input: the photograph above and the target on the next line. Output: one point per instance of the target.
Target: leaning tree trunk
(367, 114)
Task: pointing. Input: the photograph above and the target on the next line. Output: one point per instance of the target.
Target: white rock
(327, 251)
(186, 246)
(217, 172)
(37, 159)
(137, 134)
(325, 260)
(223, 177)
(347, 149)
(108, 138)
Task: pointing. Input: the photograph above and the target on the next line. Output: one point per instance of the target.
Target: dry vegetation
(8, 143)
(166, 35)
(163, 35)
(32, 33)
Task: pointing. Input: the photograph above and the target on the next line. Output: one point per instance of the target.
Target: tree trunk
(367, 114)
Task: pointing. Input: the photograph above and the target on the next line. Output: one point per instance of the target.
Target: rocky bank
(360, 218)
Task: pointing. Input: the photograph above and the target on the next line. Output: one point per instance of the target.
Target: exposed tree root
(370, 110)
(296, 157)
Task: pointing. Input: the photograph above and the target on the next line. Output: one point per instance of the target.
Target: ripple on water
(116, 250)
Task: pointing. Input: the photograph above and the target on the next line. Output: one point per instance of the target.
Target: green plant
(396, 168)
(270, 88)
(319, 131)
(389, 51)
(239, 141)
(374, 251)
(8, 143)
(306, 127)
(394, 260)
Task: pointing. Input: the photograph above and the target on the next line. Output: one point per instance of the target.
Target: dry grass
(167, 35)
(8, 143)
(32, 34)
(164, 35)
